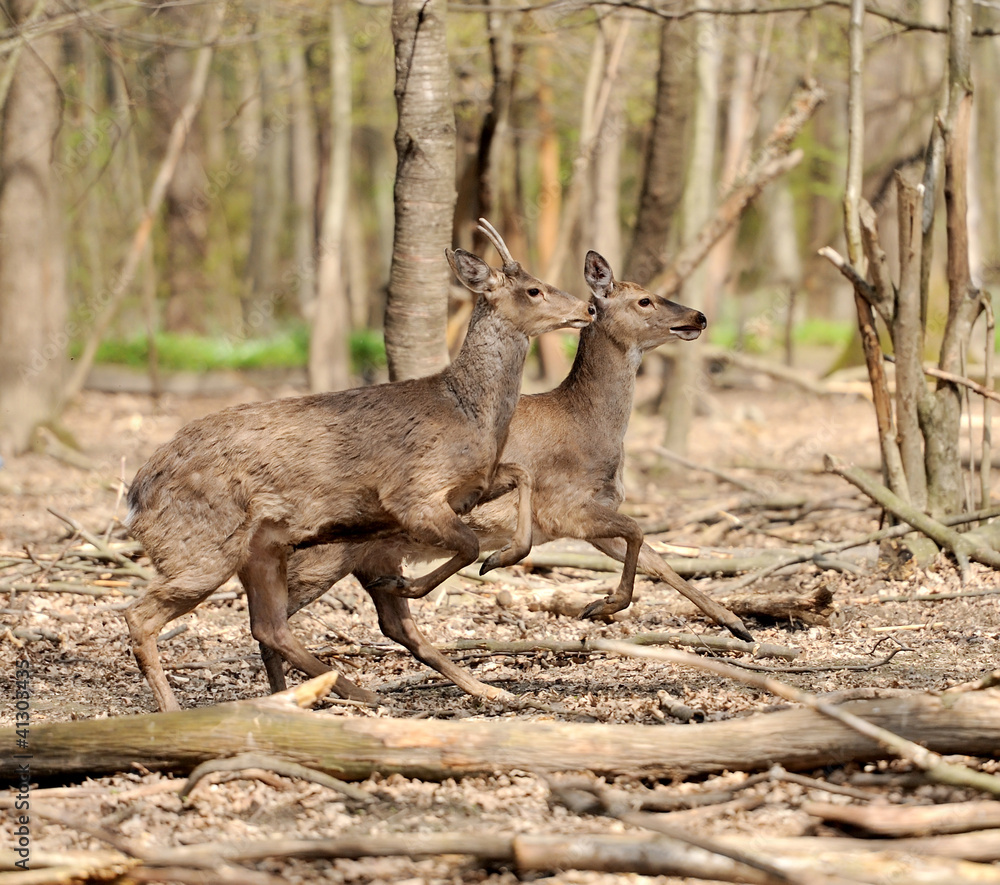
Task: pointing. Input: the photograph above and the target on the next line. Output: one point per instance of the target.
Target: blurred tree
(189, 291)
(329, 355)
(663, 175)
(34, 331)
(687, 379)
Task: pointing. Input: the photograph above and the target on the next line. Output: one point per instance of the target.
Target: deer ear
(597, 273)
(471, 270)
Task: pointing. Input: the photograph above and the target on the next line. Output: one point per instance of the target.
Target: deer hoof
(601, 609)
(494, 560)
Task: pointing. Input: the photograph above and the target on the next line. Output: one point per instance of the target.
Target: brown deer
(571, 441)
(238, 490)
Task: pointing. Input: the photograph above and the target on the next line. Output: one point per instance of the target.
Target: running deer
(571, 441)
(238, 490)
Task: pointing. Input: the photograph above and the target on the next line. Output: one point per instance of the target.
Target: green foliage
(823, 333)
(755, 339)
(196, 353)
(367, 351)
(187, 352)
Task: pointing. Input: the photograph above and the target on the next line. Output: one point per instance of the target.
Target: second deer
(571, 441)
(238, 490)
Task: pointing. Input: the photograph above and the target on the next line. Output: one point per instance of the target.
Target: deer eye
(644, 302)
(534, 292)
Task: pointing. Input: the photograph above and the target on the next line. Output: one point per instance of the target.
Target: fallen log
(355, 748)
(908, 820)
(812, 607)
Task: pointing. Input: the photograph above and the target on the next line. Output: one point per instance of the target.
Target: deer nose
(700, 319)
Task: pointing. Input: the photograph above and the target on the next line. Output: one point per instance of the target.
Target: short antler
(491, 233)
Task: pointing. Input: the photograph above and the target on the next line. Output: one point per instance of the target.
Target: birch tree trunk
(329, 347)
(33, 310)
(424, 195)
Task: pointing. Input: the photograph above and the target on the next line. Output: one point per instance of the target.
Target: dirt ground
(771, 437)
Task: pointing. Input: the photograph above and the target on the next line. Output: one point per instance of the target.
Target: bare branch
(861, 285)
(568, 7)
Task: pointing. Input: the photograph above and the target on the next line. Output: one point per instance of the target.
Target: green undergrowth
(288, 349)
(763, 338)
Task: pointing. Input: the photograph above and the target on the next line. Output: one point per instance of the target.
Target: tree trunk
(190, 298)
(549, 200)
(424, 195)
(494, 139)
(34, 332)
(686, 380)
(742, 113)
(329, 344)
(941, 419)
(269, 192)
(663, 179)
(552, 357)
(601, 227)
(305, 163)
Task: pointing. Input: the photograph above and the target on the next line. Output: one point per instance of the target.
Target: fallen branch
(909, 820)
(284, 767)
(932, 763)
(103, 550)
(684, 566)
(584, 645)
(916, 862)
(703, 468)
(821, 549)
(355, 748)
(795, 377)
(961, 545)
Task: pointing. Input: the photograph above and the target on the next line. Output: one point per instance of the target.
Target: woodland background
(202, 186)
(576, 125)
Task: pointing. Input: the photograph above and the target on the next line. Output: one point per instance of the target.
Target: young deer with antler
(238, 490)
(571, 441)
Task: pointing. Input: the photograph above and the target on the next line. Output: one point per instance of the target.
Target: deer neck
(485, 377)
(602, 380)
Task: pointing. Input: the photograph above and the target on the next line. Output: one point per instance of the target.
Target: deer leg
(264, 577)
(163, 601)
(396, 622)
(595, 520)
(437, 524)
(652, 564)
(508, 476)
(311, 572)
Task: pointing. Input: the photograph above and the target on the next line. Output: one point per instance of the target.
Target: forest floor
(772, 437)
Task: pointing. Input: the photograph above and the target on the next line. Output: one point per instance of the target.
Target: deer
(571, 441)
(236, 491)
